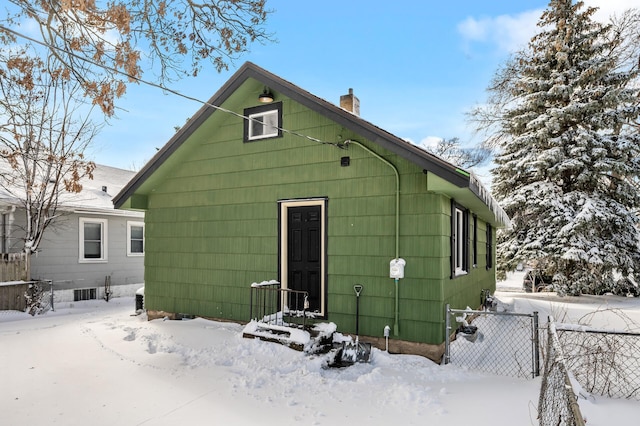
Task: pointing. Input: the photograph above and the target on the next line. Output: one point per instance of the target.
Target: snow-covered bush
(36, 301)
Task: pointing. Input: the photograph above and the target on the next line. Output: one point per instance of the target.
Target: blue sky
(417, 67)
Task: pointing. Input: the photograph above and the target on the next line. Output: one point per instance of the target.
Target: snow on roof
(96, 194)
(483, 193)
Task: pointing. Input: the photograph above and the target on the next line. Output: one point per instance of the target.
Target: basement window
(84, 294)
(263, 122)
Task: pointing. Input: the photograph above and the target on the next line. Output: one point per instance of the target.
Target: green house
(297, 190)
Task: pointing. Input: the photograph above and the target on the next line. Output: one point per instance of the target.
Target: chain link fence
(558, 404)
(605, 363)
(576, 358)
(32, 297)
(501, 343)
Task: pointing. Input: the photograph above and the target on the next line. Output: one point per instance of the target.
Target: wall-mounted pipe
(350, 141)
(387, 329)
(397, 239)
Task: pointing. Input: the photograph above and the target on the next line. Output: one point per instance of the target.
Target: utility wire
(166, 89)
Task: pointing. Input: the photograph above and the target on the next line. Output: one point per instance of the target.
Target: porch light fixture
(266, 96)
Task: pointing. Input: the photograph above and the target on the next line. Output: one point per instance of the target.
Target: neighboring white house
(90, 246)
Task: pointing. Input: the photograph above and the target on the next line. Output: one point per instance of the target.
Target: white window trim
(129, 225)
(274, 129)
(459, 249)
(104, 240)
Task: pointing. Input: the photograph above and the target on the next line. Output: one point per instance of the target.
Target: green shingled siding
(212, 227)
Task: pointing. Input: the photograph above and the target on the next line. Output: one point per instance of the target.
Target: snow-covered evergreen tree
(566, 156)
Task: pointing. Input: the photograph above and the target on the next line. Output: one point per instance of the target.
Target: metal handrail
(274, 305)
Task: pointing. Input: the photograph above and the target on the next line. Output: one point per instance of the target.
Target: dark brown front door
(304, 236)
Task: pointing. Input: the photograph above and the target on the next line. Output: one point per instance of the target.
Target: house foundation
(430, 351)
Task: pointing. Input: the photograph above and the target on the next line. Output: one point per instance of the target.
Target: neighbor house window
(262, 122)
(135, 238)
(459, 240)
(93, 240)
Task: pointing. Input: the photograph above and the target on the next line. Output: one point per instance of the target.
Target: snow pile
(95, 363)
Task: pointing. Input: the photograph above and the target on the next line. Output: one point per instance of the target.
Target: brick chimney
(350, 102)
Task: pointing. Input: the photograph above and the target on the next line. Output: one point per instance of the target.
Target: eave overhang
(454, 176)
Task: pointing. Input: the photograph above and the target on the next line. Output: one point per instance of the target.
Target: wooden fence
(13, 267)
(12, 296)
(13, 274)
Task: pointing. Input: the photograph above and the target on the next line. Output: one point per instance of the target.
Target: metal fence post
(447, 333)
(536, 345)
(51, 294)
(251, 303)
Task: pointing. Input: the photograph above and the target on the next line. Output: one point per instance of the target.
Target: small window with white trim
(93, 240)
(135, 238)
(262, 122)
(459, 240)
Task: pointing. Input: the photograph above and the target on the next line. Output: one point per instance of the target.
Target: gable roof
(95, 196)
(97, 193)
(430, 163)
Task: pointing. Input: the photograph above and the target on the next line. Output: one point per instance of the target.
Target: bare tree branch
(122, 35)
(452, 151)
(45, 130)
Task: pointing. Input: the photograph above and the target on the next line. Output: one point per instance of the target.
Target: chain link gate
(501, 343)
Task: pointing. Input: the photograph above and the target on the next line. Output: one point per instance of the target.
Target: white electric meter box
(396, 268)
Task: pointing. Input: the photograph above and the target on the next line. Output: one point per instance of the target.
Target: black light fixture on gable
(266, 96)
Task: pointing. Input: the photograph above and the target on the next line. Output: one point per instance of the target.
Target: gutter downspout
(396, 331)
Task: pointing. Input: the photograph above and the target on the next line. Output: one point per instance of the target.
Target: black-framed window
(474, 261)
(489, 246)
(459, 240)
(263, 122)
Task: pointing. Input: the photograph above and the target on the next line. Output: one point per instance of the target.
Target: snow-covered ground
(606, 312)
(95, 363)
